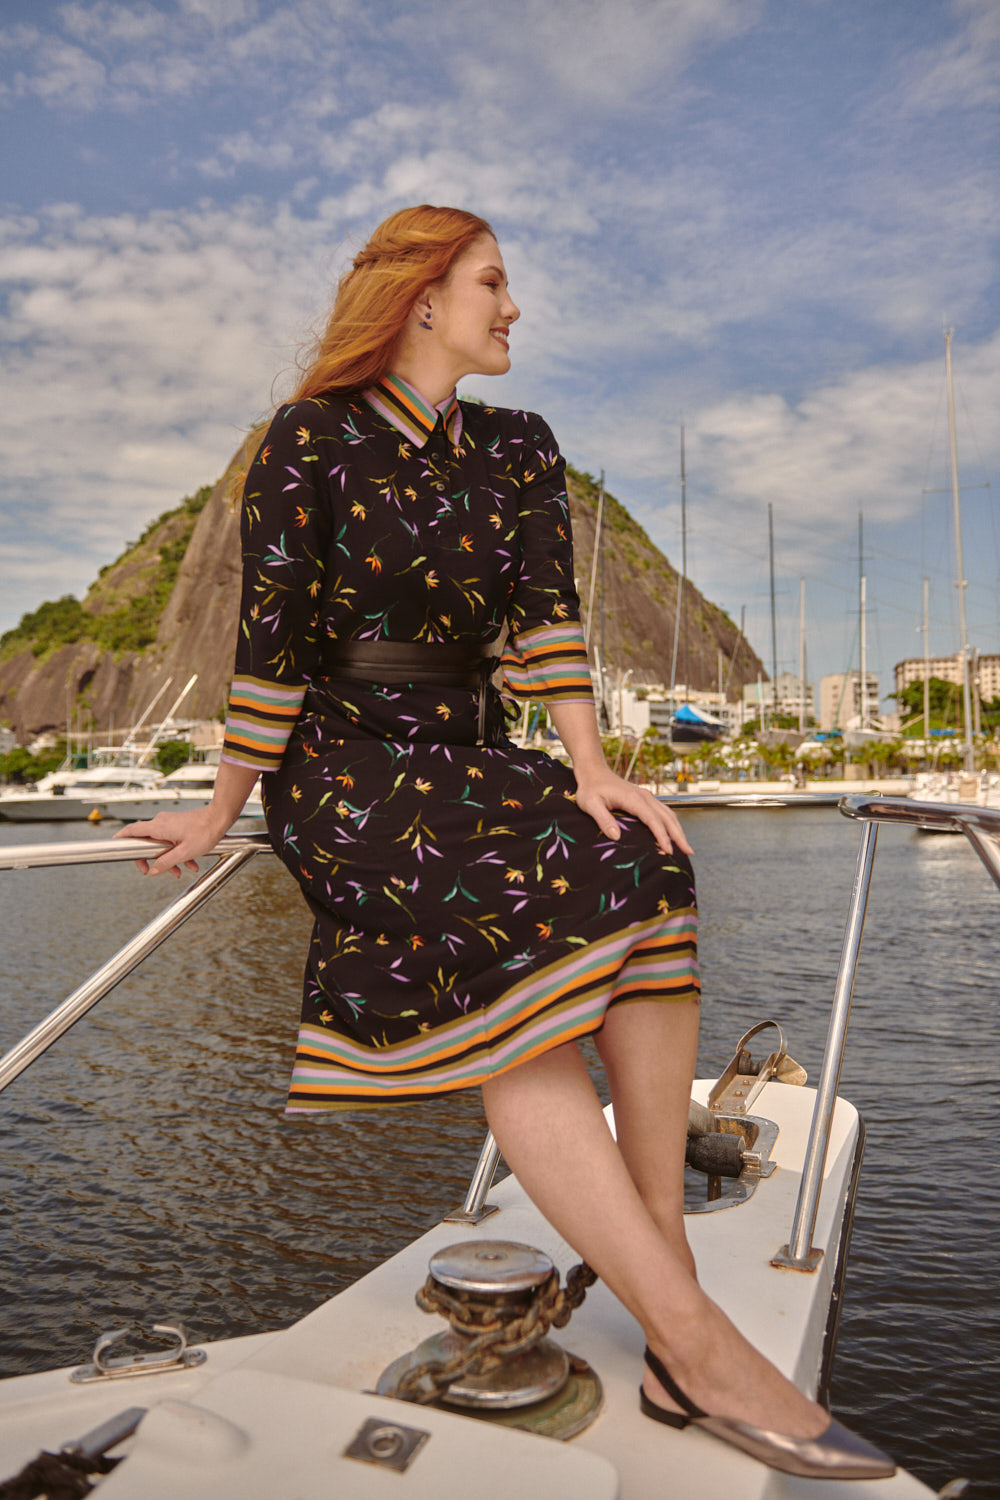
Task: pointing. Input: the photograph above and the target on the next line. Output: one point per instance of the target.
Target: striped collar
(410, 414)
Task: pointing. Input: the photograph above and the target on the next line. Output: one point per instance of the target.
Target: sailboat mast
(927, 666)
(774, 625)
(970, 764)
(680, 581)
(802, 656)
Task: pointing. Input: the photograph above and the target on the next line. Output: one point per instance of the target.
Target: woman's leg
(548, 1123)
(649, 1050)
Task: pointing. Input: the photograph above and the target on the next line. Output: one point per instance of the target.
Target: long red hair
(407, 253)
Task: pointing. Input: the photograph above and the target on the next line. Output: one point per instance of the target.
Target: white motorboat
(66, 796)
(307, 1412)
(121, 793)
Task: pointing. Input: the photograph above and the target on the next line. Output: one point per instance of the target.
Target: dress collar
(410, 414)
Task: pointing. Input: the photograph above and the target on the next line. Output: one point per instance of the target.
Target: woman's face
(471, 311)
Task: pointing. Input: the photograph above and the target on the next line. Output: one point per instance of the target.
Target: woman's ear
(422, 308)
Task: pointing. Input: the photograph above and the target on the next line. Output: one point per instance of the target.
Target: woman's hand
(600, 791)
(191, 835)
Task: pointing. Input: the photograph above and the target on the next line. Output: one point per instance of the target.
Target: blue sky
(752, 216)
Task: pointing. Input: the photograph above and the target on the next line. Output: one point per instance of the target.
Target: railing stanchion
(798, 1253)
(475, 1208)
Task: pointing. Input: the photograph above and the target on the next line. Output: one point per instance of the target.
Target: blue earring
(421, 322)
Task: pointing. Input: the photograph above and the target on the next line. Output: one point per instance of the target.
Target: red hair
(407, 253)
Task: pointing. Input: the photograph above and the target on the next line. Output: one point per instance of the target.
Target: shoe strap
(670, 1385)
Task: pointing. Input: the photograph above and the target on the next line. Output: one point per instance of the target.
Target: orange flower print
(297, 793)
(303, 436)
(466, 542)
(474, 773)
(346, 781)
(374, 562)
(423, 786)
(382, 940)
(495, 520)
(444, 711)
(560, 884)
(265, 454)
(512, 802)
(314, 588)
(301, 517)
(544, 929)
(358, 510)
(416, 941)
(514, 877)
(431, 579)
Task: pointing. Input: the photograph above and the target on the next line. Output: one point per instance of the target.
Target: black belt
(444, 663)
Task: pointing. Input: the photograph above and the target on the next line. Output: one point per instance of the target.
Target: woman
(478, 907)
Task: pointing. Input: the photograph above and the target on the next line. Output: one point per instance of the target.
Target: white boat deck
(268, 1417)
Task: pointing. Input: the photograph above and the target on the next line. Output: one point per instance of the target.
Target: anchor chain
(493, 1332)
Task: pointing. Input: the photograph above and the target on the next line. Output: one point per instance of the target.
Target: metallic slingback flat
(836, 1454)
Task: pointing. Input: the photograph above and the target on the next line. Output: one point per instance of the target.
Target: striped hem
(261, 716)
(548, 662)
(653, 960)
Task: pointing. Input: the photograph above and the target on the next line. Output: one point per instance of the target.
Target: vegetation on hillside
(123, 609)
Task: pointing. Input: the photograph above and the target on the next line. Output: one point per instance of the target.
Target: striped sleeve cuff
(260, 717)
(548, 662)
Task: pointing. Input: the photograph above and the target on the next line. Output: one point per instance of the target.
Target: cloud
(964, 72)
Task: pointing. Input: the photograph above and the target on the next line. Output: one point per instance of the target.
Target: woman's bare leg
(649, 1050)
(548, 1123)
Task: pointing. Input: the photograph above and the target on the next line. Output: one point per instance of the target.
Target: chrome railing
(981, 826)
(234, 851)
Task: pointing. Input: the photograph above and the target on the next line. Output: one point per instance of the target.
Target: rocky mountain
(168, 607)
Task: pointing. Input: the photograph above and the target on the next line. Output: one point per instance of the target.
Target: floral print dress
(468, 916)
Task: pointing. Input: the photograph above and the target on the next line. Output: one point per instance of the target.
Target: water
(147, 1169)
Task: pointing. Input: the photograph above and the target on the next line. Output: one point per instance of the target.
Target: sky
(752, 218)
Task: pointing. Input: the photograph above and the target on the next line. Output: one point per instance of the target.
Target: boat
(121, 793)
(68, 796)
(688, 727)
(314, 1410)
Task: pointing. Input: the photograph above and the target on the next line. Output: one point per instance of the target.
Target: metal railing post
(475, 1208)
(798, 1253)
(126, 959)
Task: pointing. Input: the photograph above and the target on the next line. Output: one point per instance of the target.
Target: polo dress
(468, 916)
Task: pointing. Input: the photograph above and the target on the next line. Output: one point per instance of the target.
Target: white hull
(124, 807)
(268, 1417)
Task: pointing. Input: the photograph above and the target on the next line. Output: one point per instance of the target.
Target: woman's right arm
(196, 832)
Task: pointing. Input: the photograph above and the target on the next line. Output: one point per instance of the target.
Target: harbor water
(147, 1169)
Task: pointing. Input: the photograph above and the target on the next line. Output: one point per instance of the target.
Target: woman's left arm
(599, 791)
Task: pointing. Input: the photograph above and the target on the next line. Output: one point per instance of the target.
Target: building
(840, 705)
(985, 676)
(783, 696)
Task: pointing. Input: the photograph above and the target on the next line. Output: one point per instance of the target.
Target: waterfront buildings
(840, 702)
(984, 677)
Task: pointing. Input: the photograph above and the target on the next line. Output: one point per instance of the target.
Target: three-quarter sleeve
(546, 656)
(285, 528)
